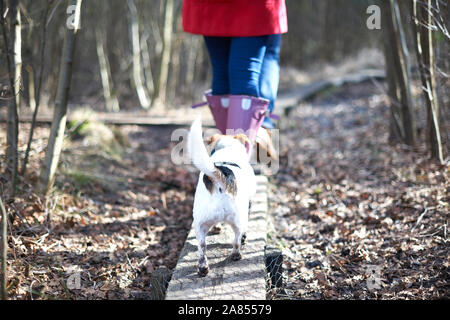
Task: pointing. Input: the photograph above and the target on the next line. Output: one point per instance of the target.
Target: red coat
(234, 18)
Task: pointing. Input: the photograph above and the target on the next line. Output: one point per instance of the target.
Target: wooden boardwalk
(285, 102)
(244, 279)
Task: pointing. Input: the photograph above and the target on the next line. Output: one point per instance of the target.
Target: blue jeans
(246, 65)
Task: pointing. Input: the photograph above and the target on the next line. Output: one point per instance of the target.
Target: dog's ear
(242, 138)
(212, 140)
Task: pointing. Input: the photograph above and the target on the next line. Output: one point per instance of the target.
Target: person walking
(243, 39)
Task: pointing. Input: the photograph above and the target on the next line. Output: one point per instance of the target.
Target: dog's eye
(220, 190)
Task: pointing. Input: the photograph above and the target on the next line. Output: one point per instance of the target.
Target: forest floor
(117, 213)
(356, 217)
(347, 208)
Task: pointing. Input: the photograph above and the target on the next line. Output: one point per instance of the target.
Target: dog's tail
(197, 150)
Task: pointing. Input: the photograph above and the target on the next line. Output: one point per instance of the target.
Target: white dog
(225, 185)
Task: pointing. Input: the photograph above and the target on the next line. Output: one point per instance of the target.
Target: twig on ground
(129, 262)
(419, 220)
(431, 234)
(31, 289)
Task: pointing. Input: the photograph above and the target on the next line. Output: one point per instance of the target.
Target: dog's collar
(226, 164)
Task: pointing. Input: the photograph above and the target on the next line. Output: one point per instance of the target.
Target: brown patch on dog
(231, 188)
(230, 184)
(242, 138)
(228, 181)
(209, 184)
(223, 174)
(212, 141)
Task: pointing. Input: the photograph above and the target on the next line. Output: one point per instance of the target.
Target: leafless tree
(39, 84)
(423, 29)
(159, 95)
(136, 48)
(3, 254)
(14, 65)
(398, 73)
(60, 114)
(111, 101)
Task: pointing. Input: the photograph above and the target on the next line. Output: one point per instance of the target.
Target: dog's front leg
(200, 233)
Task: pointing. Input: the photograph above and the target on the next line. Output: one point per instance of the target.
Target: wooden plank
(292, 98)
(122, 118)
(285, 102)
(244, 279)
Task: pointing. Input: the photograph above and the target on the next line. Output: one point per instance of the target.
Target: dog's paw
(236, 256)
(203, 271)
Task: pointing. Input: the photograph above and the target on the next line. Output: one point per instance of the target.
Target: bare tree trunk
(13, 63)
(176, 60)
(16, 25)
(60, 114)
(400, 62)
(194, 47)
(161, 85)
(396, 132)
(443, 69)
(111, 102)
(39, 86)
(148, 75)
(422, 28)
(136, 47)
(31, 89)
(4, 253)
(156, 33)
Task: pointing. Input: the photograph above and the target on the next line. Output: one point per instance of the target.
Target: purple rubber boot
(218, 104)
(246, 113)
